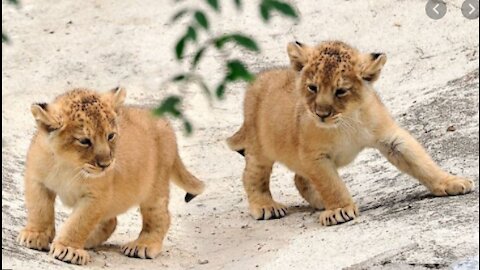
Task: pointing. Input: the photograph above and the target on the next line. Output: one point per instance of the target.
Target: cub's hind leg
(156, 221)
(308, 192)
(102, 232)
(256, 181)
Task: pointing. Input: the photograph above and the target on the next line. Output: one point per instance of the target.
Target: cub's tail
(237, 141)
(184, 179)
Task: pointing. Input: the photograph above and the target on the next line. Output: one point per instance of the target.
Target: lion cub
(315, 117)
(101, 158)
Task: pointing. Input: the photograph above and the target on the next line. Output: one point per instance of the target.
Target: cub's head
(81, 127)
(333, 78)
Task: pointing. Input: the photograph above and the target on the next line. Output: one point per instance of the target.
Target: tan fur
(102, 180)
(316, 132)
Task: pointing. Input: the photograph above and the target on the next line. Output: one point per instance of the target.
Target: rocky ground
(430, 83)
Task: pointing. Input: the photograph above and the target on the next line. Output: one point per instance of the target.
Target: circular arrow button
(470, 9)
(436, 9)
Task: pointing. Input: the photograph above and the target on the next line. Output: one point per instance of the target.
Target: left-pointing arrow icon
(435, 9)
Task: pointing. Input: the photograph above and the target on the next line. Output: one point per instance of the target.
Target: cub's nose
(103, 164)
(323, 112)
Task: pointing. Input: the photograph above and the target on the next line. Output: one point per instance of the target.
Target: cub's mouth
(92, 171)
(327, 122)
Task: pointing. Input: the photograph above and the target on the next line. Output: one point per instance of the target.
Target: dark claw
(146, 254)
(263, 215)
(74, 258)
(135, 253)
(189, 197)
(64, 254)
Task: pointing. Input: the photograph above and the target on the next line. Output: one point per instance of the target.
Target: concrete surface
(430, 82)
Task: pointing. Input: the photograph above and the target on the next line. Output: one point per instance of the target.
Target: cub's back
(273, 83)
(144, 139)
(270, 106)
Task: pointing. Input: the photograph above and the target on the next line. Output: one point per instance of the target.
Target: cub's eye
(341, 92)
(312, 88)
(111, 136)
(85, 142)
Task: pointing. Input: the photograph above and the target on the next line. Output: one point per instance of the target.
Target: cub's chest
(67, 184)
(348, 145)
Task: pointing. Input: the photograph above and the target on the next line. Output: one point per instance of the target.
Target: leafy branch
(5, 38)
(235, 69)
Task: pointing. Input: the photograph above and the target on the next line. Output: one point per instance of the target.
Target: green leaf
(179, 15)
(198, 56)
(191, 34)
(214, 4)
(284, 8)
(5, 38)
(220, 91)
(238, 71)
(179, 48)
(205, 89)
(265, 11)
(246, 42)
(220, 41)
(180, 77)
(14, 2)
(240, 39)
(238, 4)
(201, 19)
(169, 106)
(188, 126)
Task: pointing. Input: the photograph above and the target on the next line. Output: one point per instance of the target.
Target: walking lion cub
(315, 117)
(101, 158)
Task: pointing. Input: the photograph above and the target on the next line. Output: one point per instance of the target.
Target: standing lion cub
(101, 158)
(315, 117)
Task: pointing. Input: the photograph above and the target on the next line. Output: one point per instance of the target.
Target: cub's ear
(371, 65)
(45, 117)
(117, 97)
(298, 54)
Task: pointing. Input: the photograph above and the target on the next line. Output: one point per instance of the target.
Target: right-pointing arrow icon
(472, 9)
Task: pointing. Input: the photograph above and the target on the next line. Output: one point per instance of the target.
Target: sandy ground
(430, 82)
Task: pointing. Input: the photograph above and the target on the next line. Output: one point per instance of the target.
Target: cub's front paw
(69, 254)
(339, 215)
(270, 210)
(34, 239)
(137, 249)
(453, 185)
